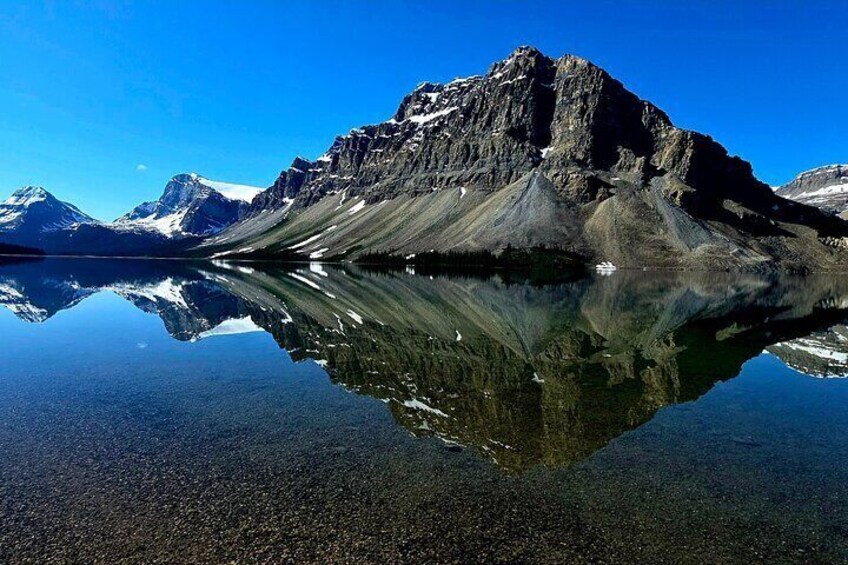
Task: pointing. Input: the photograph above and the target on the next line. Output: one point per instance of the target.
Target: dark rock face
(622, 182)
(568, 118)
(824, 187)
(285, 188)
(484, 131)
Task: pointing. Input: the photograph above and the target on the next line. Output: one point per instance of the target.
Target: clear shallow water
(166, 412)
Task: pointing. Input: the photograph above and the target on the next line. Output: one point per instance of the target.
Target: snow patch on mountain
(9, 216)
(423, 119)
(27, 196)
(233, 191)
(168, 225)
(839, 188)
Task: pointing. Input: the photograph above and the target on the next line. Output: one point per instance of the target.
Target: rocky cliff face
(485, 131)
(536, 152)
(823, 187)
(566, 118)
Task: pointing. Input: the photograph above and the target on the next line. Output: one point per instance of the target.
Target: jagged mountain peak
(534, 137)
(194, 184)
(301, 164)
(525, 51)
(190, 206)
(28, 195)
(524, 55)
(504, 120)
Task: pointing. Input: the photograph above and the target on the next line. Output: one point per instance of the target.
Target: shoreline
(588, 267)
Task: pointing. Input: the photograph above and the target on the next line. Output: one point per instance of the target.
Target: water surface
(219, 412)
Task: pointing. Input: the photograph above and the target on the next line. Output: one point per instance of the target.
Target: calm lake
(216, 412)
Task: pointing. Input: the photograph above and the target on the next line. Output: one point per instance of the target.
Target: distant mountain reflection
(523, 374)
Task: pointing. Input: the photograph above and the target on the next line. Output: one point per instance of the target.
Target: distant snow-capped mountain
(31, 210)
(823, 187)
(191, 206)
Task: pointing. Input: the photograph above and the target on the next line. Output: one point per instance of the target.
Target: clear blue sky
(234, 90)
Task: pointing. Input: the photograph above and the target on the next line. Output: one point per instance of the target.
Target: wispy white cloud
(141, 168)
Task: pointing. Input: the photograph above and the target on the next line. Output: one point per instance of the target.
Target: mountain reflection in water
(523, 374)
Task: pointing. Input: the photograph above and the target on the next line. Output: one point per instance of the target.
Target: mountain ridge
(190, 208)
(622, 182)
(540, 154)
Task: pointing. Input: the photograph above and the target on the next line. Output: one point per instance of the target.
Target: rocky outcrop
(611, 178)
(823, 187)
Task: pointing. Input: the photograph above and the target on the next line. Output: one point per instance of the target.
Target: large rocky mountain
(552, 156)
(822, 187)
(536, 152)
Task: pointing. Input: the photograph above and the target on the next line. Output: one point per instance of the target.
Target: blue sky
(234, 90)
